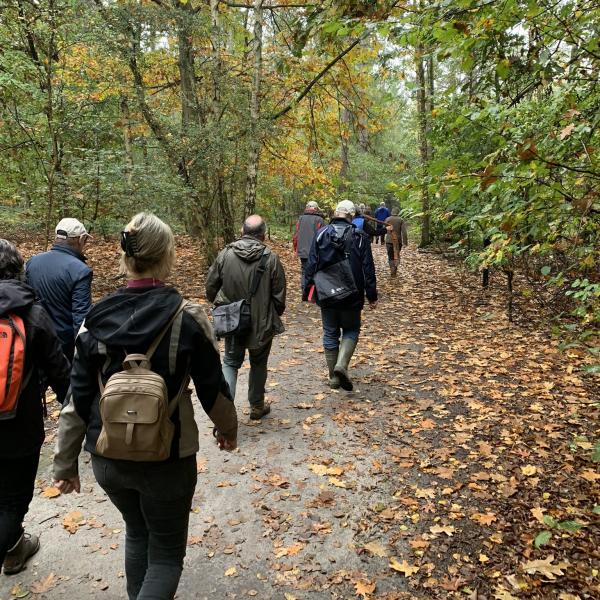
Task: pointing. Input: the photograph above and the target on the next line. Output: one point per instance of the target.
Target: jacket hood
(132, 316)
(15, 295)
(249, 249)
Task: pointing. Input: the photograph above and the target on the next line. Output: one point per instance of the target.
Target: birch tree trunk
(254, 140)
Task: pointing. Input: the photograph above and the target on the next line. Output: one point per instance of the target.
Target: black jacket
(128, 321)
(326, 250)
(24, 434)
(64, 283)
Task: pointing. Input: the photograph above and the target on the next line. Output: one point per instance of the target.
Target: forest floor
(460, 467)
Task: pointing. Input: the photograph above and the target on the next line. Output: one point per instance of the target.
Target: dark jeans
(17, 479)
(155, 500)
(339, 322)
(235, 351)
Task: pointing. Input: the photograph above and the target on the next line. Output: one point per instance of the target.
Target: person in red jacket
(306, 227)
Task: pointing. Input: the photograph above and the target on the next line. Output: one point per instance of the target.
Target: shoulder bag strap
(184, 385)
(348, 240)
(262, 267)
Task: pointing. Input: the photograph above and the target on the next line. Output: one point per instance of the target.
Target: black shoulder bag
(335, 283)
(235, 319)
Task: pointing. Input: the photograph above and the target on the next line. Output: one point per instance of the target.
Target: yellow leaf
(528, 470)
(545, 567)
(538, 513)
(483, 558)
(447, 529)
(376, 549)
(73, 521)
(337, 482)
(231, 572)
(51, 492)
(318, 469)
(403, 567)
(364, 588)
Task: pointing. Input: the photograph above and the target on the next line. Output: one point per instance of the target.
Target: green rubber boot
(331, 356)
(347, 348)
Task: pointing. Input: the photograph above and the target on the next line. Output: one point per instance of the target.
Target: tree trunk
(423, 145)
(223, 206)
(254, 141)
(127, 141)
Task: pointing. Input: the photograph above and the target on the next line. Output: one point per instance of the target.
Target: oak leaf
(364, 588)
(447, 529)
(73, 521)
(376, 549)
(545, 567)
(403, 567)
(44, 585)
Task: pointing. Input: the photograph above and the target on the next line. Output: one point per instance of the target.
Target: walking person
(28, 348)
(397, 234)
(230, 279)
(63, 281)
(135, 355)
(381, 214)
(341, 271)
(306, 228)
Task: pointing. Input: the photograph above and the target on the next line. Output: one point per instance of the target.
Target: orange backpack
(12, 363)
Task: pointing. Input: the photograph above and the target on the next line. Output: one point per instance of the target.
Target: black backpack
(335, 283)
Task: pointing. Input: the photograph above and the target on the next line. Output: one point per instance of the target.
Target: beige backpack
(135, 408)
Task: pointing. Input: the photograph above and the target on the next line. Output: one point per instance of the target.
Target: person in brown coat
(397, 225)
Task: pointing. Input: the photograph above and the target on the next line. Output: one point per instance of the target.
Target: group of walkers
(122, 366)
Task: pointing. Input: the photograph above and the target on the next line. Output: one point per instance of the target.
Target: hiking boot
(20, 553)
(258, 411)
(331, 356)
(346, 351)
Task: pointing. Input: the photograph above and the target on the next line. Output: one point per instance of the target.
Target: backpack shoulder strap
(262, 267)
(164, 330)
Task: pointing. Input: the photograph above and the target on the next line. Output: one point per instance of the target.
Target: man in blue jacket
(63, 281)
(341, 316)
(381, 214)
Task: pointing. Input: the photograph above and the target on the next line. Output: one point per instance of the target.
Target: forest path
(419, 484)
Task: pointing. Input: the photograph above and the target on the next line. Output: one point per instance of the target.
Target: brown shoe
(259, 411)
(20, 553)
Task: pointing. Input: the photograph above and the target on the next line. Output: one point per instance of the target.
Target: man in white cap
(306, 227)
(340, 272)
(63, 281)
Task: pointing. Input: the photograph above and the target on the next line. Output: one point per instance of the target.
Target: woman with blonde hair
(145, 325)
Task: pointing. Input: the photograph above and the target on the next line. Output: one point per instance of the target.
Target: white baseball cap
(346, 207)
(70, 228)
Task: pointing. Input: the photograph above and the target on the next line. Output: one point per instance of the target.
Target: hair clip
(129, 243)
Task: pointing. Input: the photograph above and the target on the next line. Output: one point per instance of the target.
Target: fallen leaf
(403, 567)
(51, 492)
(72, 521)
(545, 567)
(528, 470)
(337, 482)
(376, 549)
(447, 529)
(231, 572)
(44, 585)
(364, 588)
(538, 513)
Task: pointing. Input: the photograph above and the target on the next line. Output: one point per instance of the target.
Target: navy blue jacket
(324, 252)
(382, 213)
(64, 284)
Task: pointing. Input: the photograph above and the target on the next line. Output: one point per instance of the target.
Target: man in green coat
(229, 280)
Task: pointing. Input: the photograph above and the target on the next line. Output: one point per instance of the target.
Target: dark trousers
(339, 323)
(17, 480)
(155, 501)
(303, 262)
(235, 352)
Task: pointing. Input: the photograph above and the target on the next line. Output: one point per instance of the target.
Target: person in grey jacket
(229, 280)
(306, 228)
